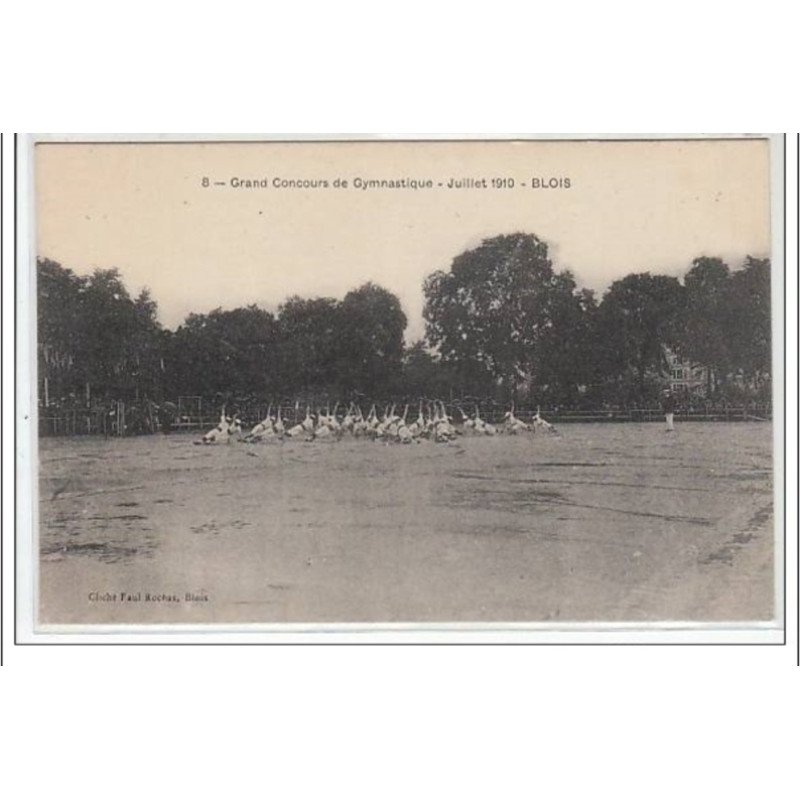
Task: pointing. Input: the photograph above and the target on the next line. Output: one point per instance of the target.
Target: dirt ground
(604, 523)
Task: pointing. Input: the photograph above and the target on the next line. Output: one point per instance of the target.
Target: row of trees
(95, 340)
(93, 335)
(504, 318)
(501, 323)
(311, 346)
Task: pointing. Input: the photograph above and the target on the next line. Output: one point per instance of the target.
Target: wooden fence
(753, 413)
(115, 421)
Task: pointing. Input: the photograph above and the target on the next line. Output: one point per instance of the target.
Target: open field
(606, 522)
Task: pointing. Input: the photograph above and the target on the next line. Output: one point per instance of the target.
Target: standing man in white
(668, 405)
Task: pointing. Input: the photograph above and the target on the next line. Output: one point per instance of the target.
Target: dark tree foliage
(501, 324)
(426, 375)
(370, 341)
(59, 331)
(726, 323)
(636, 319)
(704, 330)
(309, 345)
(94, 339)
(570, 361)
(147, 346)
(750, 321)
(341, 349)
(497, 309)
(225, 353)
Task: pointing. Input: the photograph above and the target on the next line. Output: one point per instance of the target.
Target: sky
(628, 207)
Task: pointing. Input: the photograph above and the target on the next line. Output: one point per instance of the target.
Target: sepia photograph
(523, 382)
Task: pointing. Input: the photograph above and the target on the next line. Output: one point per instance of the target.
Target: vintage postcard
(524, 384)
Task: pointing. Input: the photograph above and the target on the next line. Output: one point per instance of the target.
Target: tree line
(501, 323)
(504, 319)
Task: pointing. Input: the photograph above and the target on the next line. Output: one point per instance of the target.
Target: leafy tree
(637, 316)
(495, 308)
(703, 334)
(226, 353)
(58, 328)
(570, 358)
(93, 338)
(726, 323)
(120, 337)
(108, 323)
(750, 323)
(309, 344)
(426, 375)
(370, 340)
